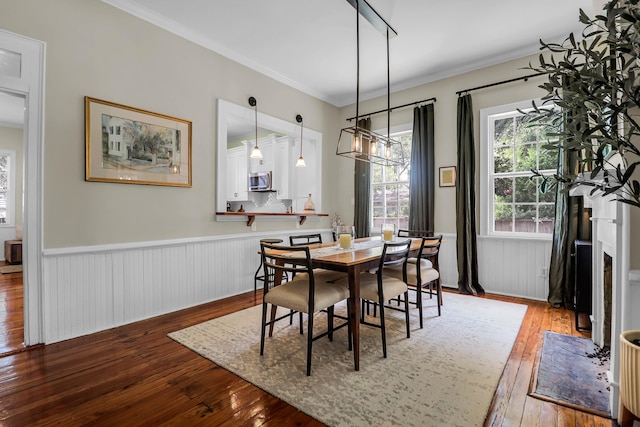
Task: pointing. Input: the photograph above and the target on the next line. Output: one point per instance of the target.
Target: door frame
(30, 84)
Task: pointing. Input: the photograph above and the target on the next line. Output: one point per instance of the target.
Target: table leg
(354, 305)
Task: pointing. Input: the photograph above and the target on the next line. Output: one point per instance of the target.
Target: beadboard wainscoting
(506, 266)
(89, 289)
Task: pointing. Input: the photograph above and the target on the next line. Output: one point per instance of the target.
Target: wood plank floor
(136, 375)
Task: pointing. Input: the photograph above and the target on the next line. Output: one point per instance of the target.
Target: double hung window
(511, 148)
(390, 188)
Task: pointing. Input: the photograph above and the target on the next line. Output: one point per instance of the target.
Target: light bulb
(300, 163)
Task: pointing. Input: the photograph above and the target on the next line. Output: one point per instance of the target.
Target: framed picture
(448, 176)
(132, 146)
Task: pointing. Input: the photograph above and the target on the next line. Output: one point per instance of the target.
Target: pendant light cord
(357, 61)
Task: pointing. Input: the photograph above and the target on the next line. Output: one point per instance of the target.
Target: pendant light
(255, 153)
(357, 142)
(300, 163)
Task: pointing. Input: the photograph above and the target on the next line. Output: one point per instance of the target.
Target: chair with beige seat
(310, 239)
(421, 271)
(378, 288)
(305, 293)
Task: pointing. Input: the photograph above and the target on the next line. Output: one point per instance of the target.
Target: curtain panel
(422, 176)
(571, 219)
(466, 245)
(362, 191)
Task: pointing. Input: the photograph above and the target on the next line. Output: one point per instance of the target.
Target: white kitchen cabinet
(283, 171)
(237, 175)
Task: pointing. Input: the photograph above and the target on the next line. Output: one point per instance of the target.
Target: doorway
(12, 112)
(22, 74)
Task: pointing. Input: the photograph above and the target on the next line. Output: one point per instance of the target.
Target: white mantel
(611, 235)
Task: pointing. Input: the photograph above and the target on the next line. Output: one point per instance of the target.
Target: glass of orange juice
(388, 231)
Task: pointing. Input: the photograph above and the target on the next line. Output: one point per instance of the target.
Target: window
(511, 148)
(7, 208)
(390, 187)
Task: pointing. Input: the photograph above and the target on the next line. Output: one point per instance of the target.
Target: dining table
(363, 255)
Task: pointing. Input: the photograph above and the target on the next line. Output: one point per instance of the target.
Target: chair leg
(301, 326)
(383, 329)
(263, 327)
(406, 312)
(330, 322)
(256, 277)
(309, 341)
(439, 296)
(419, 302)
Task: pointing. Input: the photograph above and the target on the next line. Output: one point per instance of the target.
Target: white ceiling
(311, 44)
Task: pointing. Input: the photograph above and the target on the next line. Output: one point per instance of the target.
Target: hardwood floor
(11, 313)
(136, 375)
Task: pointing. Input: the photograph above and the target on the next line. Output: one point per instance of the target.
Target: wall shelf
(251, 216)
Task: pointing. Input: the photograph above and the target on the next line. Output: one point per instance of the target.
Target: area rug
(572, 371)
(5, 269)
(445, 374)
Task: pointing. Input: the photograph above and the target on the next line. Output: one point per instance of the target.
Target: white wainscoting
(506, 266)
(89, 289)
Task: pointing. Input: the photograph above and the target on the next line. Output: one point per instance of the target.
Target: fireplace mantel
(611, 236)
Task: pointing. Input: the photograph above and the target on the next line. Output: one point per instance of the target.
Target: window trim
(486, 156)
(11, 183)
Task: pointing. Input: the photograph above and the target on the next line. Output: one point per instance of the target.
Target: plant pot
(629, 374)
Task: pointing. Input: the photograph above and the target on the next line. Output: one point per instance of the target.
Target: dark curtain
(466, 202)
(362, 189)
(571, 219)
(421, 179)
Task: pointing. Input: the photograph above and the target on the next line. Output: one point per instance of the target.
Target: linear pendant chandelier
(354, 141)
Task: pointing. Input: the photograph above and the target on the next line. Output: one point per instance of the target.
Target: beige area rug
(445, 374)
(5, 269)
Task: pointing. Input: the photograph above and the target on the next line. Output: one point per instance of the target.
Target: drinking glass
(388, 231)
(345, 235)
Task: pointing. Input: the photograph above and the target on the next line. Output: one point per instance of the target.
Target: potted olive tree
(597, 81)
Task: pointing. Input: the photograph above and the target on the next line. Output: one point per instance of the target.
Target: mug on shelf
(388, 231)
(345, 234)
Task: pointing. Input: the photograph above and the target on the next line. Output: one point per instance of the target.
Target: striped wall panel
(90, 289)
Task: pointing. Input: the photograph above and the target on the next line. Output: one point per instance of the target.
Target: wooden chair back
(305, 239)
(415, 233)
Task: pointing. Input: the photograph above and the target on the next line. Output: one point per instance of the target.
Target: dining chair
(378, 288)
(423, 271)
(310, 239)
(257, 276)
(305, 239)
(304, 293)
(427, 262)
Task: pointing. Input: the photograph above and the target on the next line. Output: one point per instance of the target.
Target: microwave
(260, 181)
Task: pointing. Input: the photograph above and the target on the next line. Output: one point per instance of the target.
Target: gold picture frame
(448, 176)
(132, 146)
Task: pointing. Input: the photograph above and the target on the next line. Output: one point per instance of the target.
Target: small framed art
(132, 146)
(448, 176)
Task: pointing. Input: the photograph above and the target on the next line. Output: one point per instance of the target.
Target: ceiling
(311, 44)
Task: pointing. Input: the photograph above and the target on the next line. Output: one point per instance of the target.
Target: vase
(309, 205)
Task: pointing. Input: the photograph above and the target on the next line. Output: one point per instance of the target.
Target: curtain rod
(501, 83)
(393, 108)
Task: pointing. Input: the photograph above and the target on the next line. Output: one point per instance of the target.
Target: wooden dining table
(364, 255)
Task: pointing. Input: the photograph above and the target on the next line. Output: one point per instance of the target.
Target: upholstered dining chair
(309, 239)
(422, 271)
(304, 293)
(378, 288)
